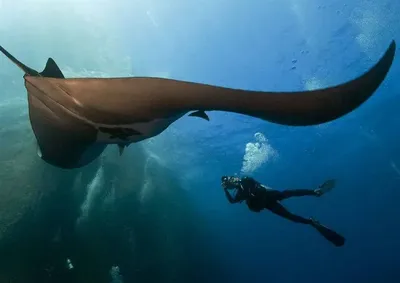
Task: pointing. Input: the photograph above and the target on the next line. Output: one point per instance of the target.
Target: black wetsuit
(259, 197)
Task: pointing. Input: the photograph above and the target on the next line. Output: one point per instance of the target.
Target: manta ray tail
(22, 66)
(50, 71)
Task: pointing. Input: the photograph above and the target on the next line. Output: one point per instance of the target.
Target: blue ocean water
(158, 213)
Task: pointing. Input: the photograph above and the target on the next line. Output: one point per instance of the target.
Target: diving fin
(326, 187)
(200, 114)
(330, 235)
(52, 70)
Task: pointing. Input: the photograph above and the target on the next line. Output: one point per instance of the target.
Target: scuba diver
(259, 197)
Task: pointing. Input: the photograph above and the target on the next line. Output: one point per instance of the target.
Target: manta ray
(75, 119)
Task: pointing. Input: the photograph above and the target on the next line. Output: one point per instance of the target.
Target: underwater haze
(158, 212)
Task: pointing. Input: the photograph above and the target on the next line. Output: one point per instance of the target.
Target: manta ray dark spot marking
(120, 133)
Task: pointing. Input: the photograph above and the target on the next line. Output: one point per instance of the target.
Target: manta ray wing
(131, 100)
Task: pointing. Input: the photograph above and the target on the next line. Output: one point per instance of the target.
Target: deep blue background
(252, 45)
